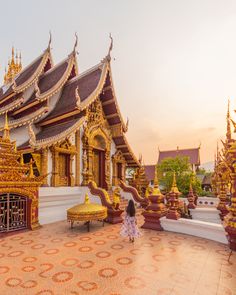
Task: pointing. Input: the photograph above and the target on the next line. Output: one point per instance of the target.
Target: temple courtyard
(57, 260)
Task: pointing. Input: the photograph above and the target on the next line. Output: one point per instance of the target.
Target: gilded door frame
(64, 148)
(118, 158)
(88, 146)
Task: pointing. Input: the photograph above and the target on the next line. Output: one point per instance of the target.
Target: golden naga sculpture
(86, 212)
(14, 67)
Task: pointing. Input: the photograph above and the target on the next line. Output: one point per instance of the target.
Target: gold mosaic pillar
(44, 165)
(77, 158)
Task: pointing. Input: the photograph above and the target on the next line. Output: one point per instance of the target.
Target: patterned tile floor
(56, 260)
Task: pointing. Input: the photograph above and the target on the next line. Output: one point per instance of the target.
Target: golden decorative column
(55, 167)
(44, 165)
(77, 158)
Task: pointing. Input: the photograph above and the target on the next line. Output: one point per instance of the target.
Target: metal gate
(13, 212)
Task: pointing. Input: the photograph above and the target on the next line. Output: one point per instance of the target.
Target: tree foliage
(184, 174)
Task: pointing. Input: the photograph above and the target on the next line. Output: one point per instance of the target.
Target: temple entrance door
(64, 169)
(99, 167)
(119, 171)
(13, 212)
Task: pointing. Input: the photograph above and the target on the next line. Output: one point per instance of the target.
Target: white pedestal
(207, 230)
(206, 214)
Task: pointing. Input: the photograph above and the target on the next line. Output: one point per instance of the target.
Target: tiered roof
(53, 120)
(193, 154)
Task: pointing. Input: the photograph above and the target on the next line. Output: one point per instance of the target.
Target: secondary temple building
(67, 123)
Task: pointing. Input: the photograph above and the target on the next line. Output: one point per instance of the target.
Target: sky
(174, 61)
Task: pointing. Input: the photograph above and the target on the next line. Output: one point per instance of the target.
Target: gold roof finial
(76, 43)
(14, 67)
(126, 125)
(6, 133)
(86, 199)
(50, 40)
(110, 47)
(78, 99)
(156, 190)
(228, 133)
(174, 188)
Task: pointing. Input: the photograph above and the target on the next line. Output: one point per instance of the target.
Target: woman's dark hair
(130, 208)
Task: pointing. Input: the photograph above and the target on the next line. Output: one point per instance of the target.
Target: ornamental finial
(174, 188)
(110, 47)
(32, 137)
(127, 125)
(228, 133)
(50, 40)
(6, 133)
(77, 97)
(156, 190)
(76, 42)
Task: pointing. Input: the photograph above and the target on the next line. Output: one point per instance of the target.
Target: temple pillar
(55, 168)
(77, 158)
(71, 176)
(44, 165)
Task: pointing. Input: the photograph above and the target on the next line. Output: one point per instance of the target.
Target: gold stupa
(86, 212)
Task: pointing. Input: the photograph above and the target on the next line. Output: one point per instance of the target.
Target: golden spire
(14, 67)
(6, 133)
(228, 133)
(174, 188)
(156, 190)
(86, 199)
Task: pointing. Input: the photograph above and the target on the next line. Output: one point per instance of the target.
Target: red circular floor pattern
(86, 264)
(70, 262)
(62, 277)
(107, 272)
(87, 286)
(29, 284)
(103, 254)
(124, 260)
(13, 282)
(135, 283)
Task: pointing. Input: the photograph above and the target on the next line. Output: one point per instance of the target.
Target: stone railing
(204, 201)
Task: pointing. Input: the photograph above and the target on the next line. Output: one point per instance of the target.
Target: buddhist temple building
(193, 154)
(68, 123)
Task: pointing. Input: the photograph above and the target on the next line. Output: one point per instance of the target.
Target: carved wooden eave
(46, 56)
(26, 120)
(11, 106)
(49, 141)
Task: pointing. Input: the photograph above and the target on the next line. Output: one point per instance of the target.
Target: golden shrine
(18, 188)
(86, 212)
